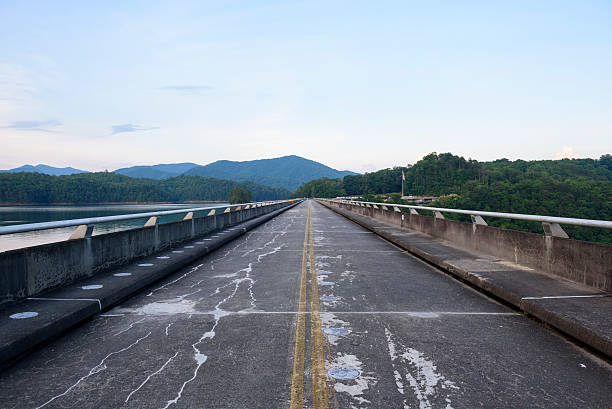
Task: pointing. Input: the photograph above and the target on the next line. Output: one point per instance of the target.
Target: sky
(358, 85)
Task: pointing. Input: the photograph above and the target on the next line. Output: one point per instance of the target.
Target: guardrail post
(189, 216)
(83, 231)
(152, 222)
(554, 230)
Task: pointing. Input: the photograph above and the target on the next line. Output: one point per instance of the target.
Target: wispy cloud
(187, 89)
(42, 126)
(566, 153)
(130, 128)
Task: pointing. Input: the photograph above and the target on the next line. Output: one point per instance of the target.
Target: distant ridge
(289, 172)
(45, 169)
(157, 172)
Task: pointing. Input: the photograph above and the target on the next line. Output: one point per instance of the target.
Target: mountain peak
(289, 171)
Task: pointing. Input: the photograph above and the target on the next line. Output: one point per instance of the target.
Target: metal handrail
(604, 224)
(22, 228)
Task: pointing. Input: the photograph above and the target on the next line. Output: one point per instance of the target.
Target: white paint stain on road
(421, 374)
(338, 257)
(168, 307)
(353, 387)
(329, 320)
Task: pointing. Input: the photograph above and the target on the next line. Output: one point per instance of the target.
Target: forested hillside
(321, 188)
(106, 187)
(579, 188)
(288, 172)
(158, 172)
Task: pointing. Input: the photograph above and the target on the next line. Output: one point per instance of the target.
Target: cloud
(187, 89)
(34, 125)
(131, 128)
(566, 153)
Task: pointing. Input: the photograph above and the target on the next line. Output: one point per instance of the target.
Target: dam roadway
(308, 310)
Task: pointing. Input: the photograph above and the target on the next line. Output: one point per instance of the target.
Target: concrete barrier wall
(578, 261)
(30, 271)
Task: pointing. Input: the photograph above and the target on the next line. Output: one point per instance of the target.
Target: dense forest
(104, 187)
(579, 188)
(239, 195)
(323, 187)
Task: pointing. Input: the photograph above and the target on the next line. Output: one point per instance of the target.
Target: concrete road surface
(246, 328)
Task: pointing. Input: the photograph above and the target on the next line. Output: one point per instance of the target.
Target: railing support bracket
(554, 230)
(478, 220)
(83, 231)
(151, 222)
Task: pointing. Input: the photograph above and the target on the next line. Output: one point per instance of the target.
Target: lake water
(11, 215)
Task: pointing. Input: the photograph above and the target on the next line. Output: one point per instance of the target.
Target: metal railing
(550, 224)
(86, 225)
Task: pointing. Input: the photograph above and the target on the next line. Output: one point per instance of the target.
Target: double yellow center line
(320, 395)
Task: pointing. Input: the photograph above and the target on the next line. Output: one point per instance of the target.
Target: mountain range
(289, 172)
(157, 172)
(45, 169)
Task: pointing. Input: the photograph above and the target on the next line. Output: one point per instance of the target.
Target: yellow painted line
(320, 393)
(297, 377)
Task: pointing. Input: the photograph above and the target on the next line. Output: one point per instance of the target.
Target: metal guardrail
(550, 224)
(86, 225)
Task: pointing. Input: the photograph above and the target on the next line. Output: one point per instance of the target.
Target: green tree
(324, 187)
(239, 195)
